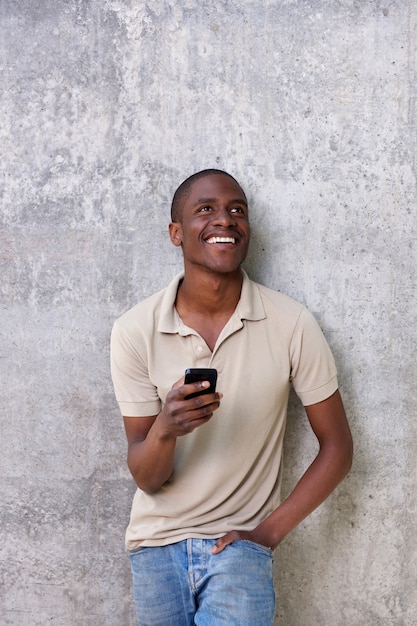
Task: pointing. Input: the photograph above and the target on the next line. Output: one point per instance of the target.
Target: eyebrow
(212, 200)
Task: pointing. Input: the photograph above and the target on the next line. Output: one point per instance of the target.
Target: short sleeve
(136, 395)
(313, 369)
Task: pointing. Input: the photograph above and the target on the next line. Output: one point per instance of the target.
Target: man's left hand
(236, 535)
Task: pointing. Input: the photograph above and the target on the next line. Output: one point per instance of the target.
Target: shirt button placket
(202, 353)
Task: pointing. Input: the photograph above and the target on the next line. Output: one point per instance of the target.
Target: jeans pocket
(257, 546)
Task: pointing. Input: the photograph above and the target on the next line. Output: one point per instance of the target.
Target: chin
(225, 269)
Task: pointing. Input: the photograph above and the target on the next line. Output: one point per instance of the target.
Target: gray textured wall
(105, 106)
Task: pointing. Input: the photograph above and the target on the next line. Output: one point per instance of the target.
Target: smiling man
(207, 513)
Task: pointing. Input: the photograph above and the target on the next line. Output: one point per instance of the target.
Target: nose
(224, 217)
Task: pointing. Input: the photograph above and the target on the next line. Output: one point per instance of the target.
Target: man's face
(214, 232)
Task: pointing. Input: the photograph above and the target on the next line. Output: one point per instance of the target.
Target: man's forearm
(151, 461)
(321, 478)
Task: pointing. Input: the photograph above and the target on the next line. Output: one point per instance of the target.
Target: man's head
(211, 222)
(183, 191)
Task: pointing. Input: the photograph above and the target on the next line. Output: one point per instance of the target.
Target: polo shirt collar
(249, 307)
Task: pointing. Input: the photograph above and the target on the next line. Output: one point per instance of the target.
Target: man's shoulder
(282, 311)
(140, 312)
(147, 313)
(279, 301)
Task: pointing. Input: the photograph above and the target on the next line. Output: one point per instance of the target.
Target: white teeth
(221, 240)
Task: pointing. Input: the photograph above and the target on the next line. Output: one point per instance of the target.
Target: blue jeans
(184, 585)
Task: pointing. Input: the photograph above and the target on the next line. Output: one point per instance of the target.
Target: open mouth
(221, 240)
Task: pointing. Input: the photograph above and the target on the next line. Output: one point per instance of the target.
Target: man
(207, 513)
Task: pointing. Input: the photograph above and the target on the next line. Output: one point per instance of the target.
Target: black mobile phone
(195, 374)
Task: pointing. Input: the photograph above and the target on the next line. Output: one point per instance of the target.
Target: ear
(175, 233)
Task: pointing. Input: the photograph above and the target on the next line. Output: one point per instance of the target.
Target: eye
(237, 209)
(204, 208)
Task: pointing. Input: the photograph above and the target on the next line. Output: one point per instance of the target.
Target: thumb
(224, 541)
(219, 546)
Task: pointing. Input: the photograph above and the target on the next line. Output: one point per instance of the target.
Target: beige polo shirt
(227, 473)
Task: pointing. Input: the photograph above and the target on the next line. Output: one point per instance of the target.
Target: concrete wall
(106, 105)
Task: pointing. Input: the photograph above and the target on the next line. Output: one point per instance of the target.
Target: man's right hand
(151, 440)
(181, 416)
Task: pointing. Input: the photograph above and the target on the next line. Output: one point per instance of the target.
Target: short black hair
(184, 189)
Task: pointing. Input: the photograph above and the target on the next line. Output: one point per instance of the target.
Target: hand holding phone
(193, 375)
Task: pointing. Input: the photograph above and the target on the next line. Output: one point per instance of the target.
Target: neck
(210, 293)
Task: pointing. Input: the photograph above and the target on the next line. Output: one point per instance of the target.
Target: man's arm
(332, 463)
(151, 440)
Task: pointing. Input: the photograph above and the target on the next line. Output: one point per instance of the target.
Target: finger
(201, 407)
(194, 412)
(196, 387)
(218, 547)
(199, 421)
(223, 542)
